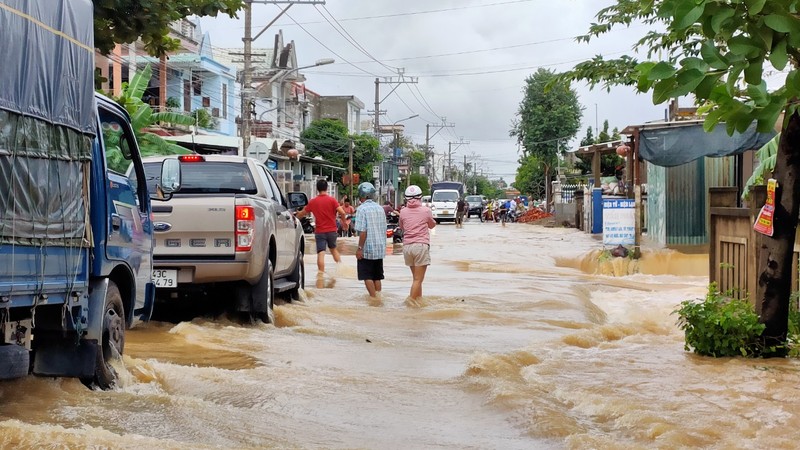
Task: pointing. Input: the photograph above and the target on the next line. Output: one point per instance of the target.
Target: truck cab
(443, 204)
(75, 237)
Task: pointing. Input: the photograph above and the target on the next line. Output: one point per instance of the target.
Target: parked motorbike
(308, 224)
(393, 230)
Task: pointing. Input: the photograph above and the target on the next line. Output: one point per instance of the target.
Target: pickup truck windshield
(474, 199)
(445, 196)
(207, 177)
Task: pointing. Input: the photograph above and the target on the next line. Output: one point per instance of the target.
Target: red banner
(765, 223)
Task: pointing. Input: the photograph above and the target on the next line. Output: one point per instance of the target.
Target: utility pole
(449, 160)
(464, 175)
(428, 154)
(377, 124)
(450, 156)
(247, 55)
(352, 145)
(396, 81)
(247, 118)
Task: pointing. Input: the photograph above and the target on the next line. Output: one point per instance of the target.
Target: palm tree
(142, 117)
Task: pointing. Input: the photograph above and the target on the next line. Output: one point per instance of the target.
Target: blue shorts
(325, 240)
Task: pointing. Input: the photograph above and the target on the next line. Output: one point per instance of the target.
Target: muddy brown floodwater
(523, 340)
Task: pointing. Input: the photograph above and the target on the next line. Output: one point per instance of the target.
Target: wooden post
(596, 167)
(637, 195)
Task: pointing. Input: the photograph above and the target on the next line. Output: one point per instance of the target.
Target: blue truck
(75, 237)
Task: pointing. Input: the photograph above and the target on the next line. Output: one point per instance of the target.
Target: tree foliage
(719, 51)
(125, 21)
(421, 181)
(549, 115)
(330, 139)
(142, 118)
(714, 50)
(609, 164)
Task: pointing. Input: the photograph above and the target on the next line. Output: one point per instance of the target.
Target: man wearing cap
(416, 222)
(371, 227)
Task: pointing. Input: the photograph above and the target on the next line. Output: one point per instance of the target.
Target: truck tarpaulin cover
(671, 146)
(47, 120)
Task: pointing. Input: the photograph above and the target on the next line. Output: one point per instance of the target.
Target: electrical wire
(349, 38)
(483, 72)
(328, 48)
(415, 13)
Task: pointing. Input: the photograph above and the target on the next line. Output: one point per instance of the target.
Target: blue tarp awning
(672, 144)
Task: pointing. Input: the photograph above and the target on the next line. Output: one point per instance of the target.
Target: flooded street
(517, 344)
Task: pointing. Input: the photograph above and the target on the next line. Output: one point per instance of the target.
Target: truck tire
(112, 342)
(298, 276)
(15, 361)
(262, 295)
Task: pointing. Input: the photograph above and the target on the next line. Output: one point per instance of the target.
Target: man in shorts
(461, 209)
(325, 208)
(371, 228)
(416, 223)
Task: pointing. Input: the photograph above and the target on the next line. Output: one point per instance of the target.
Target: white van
(443, 204)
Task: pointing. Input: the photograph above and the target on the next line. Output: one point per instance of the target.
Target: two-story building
(188, 80)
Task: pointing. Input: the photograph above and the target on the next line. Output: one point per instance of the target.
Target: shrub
(720, 326)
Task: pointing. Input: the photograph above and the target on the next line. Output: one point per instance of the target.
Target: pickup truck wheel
(14, 361)
(112, 342)
(264, 288)
(298, 276)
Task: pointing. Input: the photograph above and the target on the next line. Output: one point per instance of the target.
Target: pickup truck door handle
(116, 221)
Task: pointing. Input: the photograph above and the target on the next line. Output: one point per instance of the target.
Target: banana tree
(142, 118)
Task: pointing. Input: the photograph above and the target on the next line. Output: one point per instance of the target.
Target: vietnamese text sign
(764, 223)
(619, 222)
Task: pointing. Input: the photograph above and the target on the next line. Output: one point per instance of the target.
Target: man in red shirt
(324, 207)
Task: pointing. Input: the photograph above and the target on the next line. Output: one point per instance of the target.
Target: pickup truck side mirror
(170, 181)
(298, 199)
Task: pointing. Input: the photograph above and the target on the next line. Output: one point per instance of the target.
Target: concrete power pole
(429, 166)
(247, 58)
(247, 118)
(377, 124)
(464, 175)
(396, 81)
(449, 161)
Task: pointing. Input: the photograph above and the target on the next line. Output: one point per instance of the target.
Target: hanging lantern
(293, 153)
(623, 150)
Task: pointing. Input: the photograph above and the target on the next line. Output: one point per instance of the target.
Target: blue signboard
(272, 165)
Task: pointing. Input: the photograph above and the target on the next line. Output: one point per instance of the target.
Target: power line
(414, 13)
(349, 38)
(468, 52)
(485, 72)
(329, 49)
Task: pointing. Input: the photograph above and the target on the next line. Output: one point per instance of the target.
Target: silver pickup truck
(228, 233)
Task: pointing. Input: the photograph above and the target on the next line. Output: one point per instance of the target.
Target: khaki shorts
(417, 254)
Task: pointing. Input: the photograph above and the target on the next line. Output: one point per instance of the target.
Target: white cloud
(481, 106)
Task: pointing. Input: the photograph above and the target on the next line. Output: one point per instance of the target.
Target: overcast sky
(478, 90)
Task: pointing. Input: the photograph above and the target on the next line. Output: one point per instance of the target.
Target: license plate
(165, 278)
(445, 212)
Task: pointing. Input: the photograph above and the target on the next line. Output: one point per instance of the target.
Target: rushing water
(527, 338)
